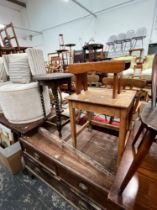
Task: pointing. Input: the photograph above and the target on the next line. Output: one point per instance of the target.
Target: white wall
(124, 18)
(53, 17)
(8, 15)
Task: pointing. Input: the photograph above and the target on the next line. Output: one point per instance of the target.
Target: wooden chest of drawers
(85, 185)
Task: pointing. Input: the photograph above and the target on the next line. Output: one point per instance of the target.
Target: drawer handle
(37, 170)
(82, 205)
(83, 187)
(36, 156)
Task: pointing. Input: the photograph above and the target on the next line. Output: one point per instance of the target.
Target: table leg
(115, 85)
(119, 83)
(89, 117)
(57, 109)
(73, 124)
(81, 82)
(42, 99)
(69, 86)
(122, 133)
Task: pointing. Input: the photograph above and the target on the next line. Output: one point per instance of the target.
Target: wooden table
(53, 81)
(81, 69)
(100, 100)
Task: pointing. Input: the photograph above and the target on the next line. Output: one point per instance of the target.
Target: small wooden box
(11, 157)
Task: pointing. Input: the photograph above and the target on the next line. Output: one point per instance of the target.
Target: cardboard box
(11, 157)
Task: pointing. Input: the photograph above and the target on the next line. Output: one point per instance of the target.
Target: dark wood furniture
(70, 45)
(20, 129)
(94, 52)
(99, 100)
(81, 69)
(147, 129)
(62, 53)
(10, 41)
(54, 81)
(69, 171)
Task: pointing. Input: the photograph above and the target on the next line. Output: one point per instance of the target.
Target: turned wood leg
(69, 86)
(72, 123)
(143, 150)
(42, 99)
(57, 109)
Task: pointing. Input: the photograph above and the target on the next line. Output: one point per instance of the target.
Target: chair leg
(143, 150)
(138, 134)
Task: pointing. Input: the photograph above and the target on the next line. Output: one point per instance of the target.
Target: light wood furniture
(100, 101)
(81, 69)
(140, 50)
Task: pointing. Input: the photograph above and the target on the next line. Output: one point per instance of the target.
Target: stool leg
(143, 150)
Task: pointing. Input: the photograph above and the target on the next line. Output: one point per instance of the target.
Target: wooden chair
(9, 39)
(147, 131)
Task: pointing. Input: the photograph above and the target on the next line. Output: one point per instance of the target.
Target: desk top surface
(107, 66)
(102, 96)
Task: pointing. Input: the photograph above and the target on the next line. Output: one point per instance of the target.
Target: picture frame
(6, 136)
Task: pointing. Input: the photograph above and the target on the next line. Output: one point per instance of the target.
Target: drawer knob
(37, 170)
(36, 156)
(83, 187)
(82, 205)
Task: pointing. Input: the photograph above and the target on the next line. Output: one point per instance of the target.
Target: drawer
(39, 166)
(59, 185)
(40, 157)
(83, 186)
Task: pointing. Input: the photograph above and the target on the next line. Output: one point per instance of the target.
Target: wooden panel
(103, 66)
(38, 156)
(60, 186)
(82, 185)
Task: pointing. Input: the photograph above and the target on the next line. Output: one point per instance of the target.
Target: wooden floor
(141, 193)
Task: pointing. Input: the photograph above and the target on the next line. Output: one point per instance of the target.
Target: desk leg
(115, 85)
(57, 109)
(73, 124)
(122, 133)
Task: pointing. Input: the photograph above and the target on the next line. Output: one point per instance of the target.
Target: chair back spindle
(154, 81)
